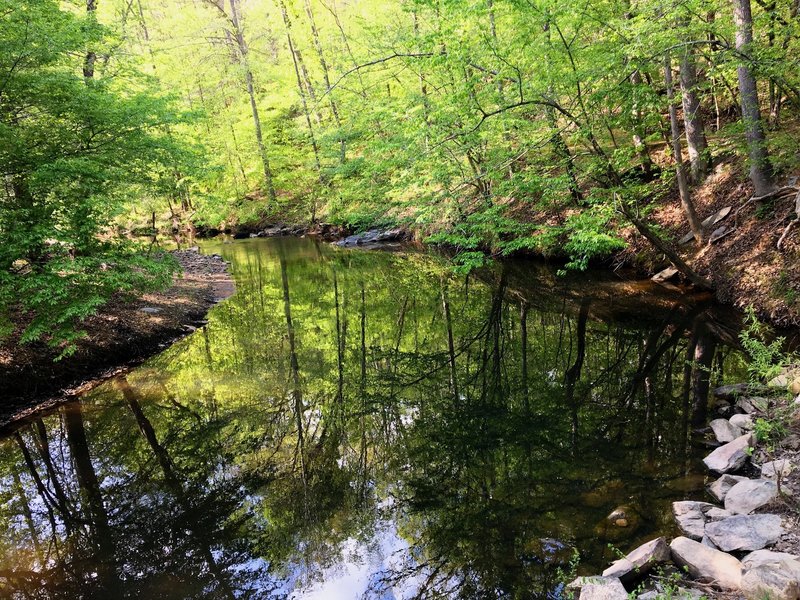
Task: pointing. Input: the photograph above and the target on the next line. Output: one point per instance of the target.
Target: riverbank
(742, 540)
(121, 335)
(740, 256)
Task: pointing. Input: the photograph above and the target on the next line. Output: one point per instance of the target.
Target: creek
(356, 423)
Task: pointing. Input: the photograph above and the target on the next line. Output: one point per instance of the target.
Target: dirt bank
(121, 335)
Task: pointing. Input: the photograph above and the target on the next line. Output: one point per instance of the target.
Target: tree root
(793, 222)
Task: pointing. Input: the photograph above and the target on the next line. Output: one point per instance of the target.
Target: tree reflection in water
(369, 424)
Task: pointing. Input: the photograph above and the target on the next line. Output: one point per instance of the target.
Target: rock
(599, 588)
(718, 514)
(742, 421)
(665, 275)
(679, 593)
(776, 468)
(789, 379)
(702, 561)
(754, 404)
(691, 518)
(775, 581)
(719, 233)
(731, 392)
(640, 561)
(373, 236)
(724, 431)
(621, 522)
(745, 532)
(707, 542)
(747, 496)
(792, 441)
(731, 456)
(150, 310)
(721, 486)
(763, 557)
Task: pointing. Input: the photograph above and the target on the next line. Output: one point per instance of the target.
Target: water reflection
(361, 424)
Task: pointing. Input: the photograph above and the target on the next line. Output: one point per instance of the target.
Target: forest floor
(122, 334)
(745, 266)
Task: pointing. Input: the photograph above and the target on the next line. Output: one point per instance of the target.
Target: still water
(363, 424)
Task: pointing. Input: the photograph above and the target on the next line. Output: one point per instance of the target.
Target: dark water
(367, 424)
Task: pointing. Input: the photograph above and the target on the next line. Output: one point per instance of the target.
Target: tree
(760, 167)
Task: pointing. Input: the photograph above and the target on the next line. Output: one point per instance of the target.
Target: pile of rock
(723, 546)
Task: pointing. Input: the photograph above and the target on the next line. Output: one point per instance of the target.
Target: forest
(495, 127)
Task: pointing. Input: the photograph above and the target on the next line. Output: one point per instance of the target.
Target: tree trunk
(683, 187)
(243, 51)
(695, 133)
(91, 55)
(326, 77)
(760, 167)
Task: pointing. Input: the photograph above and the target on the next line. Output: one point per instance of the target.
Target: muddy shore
(120, 336)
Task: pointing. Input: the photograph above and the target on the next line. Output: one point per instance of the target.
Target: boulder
(731, 456)
(702, 561)
(744, 422)
(755, 404)
(718, 514)
(724, 431)
(599, 588)
(779, 581)
(747, 496)
(776, 468)
(731, 392)
(789, 379)
(639, 561)
(745, 532)
(720, 487)
(691, 517)
(763, 557)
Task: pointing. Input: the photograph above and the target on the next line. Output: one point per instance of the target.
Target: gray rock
(779, 581)
(792, 441)
(731, 456)
(721, 486)
(776, 468)
(610, 589)
(150, 310)
(599, 588)
(744, 422)
(718, 514)
(764, 557)
(640, 561)
(707, 542)
(691, 517)
(724, 431)
(747, 496)
(675, 594)
(755, 404)
(702, 561)
(731, 392)
(745, 532)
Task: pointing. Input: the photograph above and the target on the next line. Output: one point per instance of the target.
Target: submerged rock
(724, 431)
(731, 456)
(640, 561)
(745, 532)
(702, 561)
(747, 496)
(721, 486)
